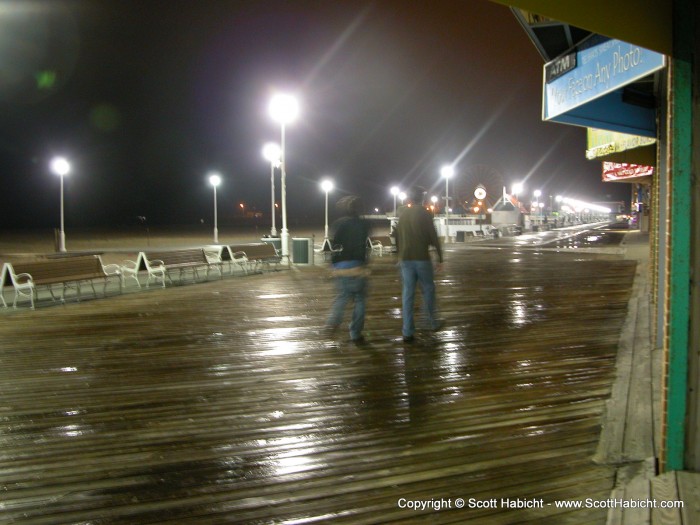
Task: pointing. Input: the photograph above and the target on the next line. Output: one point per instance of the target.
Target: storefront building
(626, 71)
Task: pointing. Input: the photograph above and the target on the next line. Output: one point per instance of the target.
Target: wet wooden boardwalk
(225, 402)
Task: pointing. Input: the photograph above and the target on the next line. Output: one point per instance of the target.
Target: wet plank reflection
(224, 402)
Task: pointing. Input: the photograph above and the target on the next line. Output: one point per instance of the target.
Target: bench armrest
(130, 266)
(112, 269)
(23, 279)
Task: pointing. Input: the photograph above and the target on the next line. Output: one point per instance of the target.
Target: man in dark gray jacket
(415, 234)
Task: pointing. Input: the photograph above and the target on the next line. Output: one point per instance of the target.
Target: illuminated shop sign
(613, 171)
(602, 143)
(591, 94)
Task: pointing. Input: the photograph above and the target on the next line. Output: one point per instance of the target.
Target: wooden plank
(637, 490)
(664, 489)
(639, 427)
(689, 493)
(611, 445)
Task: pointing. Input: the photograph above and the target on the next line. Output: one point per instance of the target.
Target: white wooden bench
(257, 256)
(69, 271)
(159, 265)
(381, 245)
(221, 254)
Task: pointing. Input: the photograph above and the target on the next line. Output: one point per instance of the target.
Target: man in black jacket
(349, 241)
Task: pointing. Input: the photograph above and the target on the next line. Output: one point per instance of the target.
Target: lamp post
(61, 167)
(395, 191)
(215, 180)
(537, 194)
(284, 109)
(447, 172)
(271, 152)
(326, 186)
(518, 189)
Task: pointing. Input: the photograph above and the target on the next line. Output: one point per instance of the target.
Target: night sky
(144, 98)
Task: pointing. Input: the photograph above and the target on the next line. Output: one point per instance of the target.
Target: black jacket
(351, 233)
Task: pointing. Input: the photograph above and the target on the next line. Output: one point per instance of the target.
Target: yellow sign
(602, 142)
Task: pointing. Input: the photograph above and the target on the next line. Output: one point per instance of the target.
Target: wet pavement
(226, 402)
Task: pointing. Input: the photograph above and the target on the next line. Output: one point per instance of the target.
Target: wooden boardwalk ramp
(225, 401)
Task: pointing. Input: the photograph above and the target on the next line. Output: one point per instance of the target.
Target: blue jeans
(348, 288)
(413, 272)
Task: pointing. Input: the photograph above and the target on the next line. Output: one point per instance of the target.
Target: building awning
(648, 23)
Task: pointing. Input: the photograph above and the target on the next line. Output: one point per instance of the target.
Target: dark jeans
(355, 289)
(413, 272)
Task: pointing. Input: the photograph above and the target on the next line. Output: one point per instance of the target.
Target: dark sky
(145, 97)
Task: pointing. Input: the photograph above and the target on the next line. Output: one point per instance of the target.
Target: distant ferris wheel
(481, 179)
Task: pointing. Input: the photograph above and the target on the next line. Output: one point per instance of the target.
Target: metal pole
(447, 209)
(273, 231)
(216, 229)
(326, 230)
(62, 235)
(285, 232)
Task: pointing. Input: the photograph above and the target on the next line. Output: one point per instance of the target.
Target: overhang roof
(646, 23)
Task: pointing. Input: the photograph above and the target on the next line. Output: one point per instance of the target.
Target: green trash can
(303, 250)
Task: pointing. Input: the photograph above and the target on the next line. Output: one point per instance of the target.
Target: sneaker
(408, 338)
(438, 325)
(359, 341)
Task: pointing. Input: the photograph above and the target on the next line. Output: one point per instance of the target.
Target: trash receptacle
(303, 250)
(460, 236)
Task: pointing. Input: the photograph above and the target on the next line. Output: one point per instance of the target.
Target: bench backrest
(254, 251)
(55, 270)
(222, 251)
(385, 240)
(175, 257)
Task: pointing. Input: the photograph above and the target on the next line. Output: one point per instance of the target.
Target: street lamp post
(537, 194)
(284, 109)
(326, 186)
(395, 191)
(518, 188)
(271, 152)
(447, 172)
(215, 180)
(61, 167)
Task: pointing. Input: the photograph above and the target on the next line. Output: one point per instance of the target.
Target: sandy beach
(114, 245)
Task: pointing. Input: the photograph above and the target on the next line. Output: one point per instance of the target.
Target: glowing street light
(402, 197)
(326, 186)
(447, 172)
(284, 109)
(271, 152)
(518, 188)
(395, 191)
(61, 167)
(215, 180)
(537, 194)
